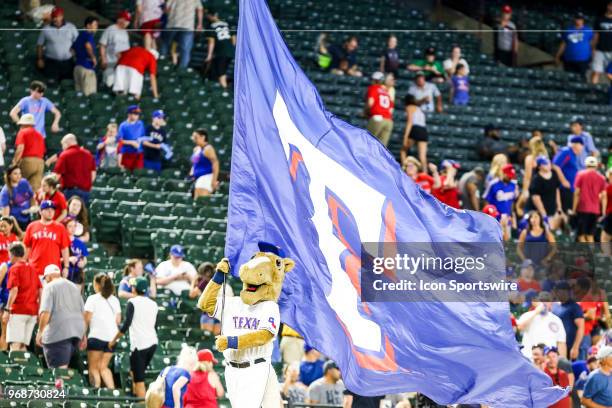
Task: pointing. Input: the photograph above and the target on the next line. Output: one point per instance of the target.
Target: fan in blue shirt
(85, 45)
(576, 44)
(567, 158)
(598, 387)
(131, 131)
(502, 193)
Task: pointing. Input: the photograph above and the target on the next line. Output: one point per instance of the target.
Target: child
(460, 90)
(156, 136)
(107, 151)
(49, 191)
(78, 254)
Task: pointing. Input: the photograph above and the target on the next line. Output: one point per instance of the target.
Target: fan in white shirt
(540, 325)
(175, 274)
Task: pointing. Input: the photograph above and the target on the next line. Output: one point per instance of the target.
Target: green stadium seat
(37, 374)
(184, 210)
(195, 237)
(177, 185)
(76, 404)
(150, 184)
(130, 207)
(190, 223)
(5, 403)
(43, 404)
(214, 224)
(106, 392)
(69, 376)
(217, 239)
(125, 194)
(108, 404)
(178, 198)
(10, 374)
(23, 358)
(156, 222)
(153, 208)
(172, 174)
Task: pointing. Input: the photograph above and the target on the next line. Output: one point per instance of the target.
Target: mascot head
(262, 277)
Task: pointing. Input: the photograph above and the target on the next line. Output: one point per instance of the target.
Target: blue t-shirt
(311, 371)
(568, 162)
(568, 312)
(4, 292)
(588, 150)
(78, 249)
(38, 108)
(581, 372)
(172, 375)
(502, 194)
(201, 165)
(157, 136)
(577, 44)
(130, 131)
(598, 388)
(461, 86)
(18, 201)
(80, 52)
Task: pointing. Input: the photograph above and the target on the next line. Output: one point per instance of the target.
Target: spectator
(606, 232)
(431, 68)
(450, 64)
(205, 272)
(572, 317)
(589, 200)
(379, 109)
(292, 389)
(204, 165)
(470, 185)
(102, 316)
(53, 53)
(9, 233)
(545, 192)
(23, 300)
(205, 385)
(460, 90)
(76, 168)
(78, 210)
(61, 326)
(148, 18)
(503, 192)
(47, 241)
(559, 377)
(425, 93)
(37, 105)
(576, 127)
(537, 354)
(590, 365)
(495, 169)
(175, 274)
(152, 145)
(180, 26)
(131, 67)
(344, 58)
(567, 159)
(575, 48)
(49, 191)
(492, 144)
(598, 387)
(415, 131)
(114, 41)
(221, 45)
(327, 389)
(389, 60)
(389, 84)
(535, 150)
(85, 58)
(506, 39)
(413, 168)
(2, 149)
(526, 280)
(541, 326)
(602, 43)
(133, 269)
(78, 255)
(107, 156)
(16, 197)
(30, 151)
(140, 318)
(311, 367)
(448, 193)
(178, 377)
(352, 400)
(130, 132)
(401, 400)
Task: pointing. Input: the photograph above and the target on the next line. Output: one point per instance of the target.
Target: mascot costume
(249, 324)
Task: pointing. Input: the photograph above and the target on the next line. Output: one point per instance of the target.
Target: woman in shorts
(415, 132)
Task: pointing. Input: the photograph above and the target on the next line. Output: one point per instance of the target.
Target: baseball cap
(450, 163)
(576, 120)
(526, 263)
(51, 269)
(27, 119)
(604, 352)
(430, 51)
(509, 171)
(177, 250)
(506, 8)
(378, 76)
(133, 109)
(542, 160)
(155, 53)
(57, 11)
(562, 285)
(579, 16)
(591, 161)
(491, 210)
(329, 365)
(268, 247)
(141, 284)
(124, 15)
(158, 114)
(577, 139)
(206, 355)
(549, 349)
(308, 348)
(47, 204)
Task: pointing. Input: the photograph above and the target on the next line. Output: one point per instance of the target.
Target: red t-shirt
(5, 242)
(140, 59)
(24, 277)
(449, 196)
(33, 142)
(609, 193)
(590, 324)
(525, 286)
(383, 105)
(200, 394)
(46, 243)
(425, 181)
(74, 165)
(561, 379)
(58, 199)
(591, 184)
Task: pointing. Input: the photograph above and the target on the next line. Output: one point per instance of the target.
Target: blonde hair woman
(495, 170)
(205, 386)
(178, 376)
(536, 148)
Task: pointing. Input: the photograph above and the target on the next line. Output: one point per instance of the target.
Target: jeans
(84, 195)
(184, 38)
(584, 347)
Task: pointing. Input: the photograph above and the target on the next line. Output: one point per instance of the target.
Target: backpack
(156, 394)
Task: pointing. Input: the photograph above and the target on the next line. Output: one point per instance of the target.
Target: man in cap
(53, 48)
(131, 68)
(589, 199)
(175, 274)
(37, 105)
(576, 48)
(503, 192)
(114, 41)
(328, 389)
(506, 38)
(432, 68)
(221, 44)
(577, 129)
(76, 168)
(568, 160)
(61, 325)
(379, 109)
(559, 377)
(156, 137)
(129, 135)
(572, 317)
(427, 95)
(30, 151)
(598, 387)
(47, 241)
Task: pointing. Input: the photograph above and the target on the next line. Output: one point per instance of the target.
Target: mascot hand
(223, 266)
(221, 342)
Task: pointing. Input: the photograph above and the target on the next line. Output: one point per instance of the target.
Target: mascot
(249, 324)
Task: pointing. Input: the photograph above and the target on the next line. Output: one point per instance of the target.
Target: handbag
(156, 393)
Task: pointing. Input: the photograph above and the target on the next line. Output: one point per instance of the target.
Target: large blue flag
(318, 187)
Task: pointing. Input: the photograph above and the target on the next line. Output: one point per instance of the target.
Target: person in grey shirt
(114, 41)
(53, 55)
(427, 95)
(506, 38)
(61, 325)
(180, 28)
(328, 389)
(469, 185)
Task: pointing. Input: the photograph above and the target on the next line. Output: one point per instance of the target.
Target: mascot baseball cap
(268, 247)
(206, 355)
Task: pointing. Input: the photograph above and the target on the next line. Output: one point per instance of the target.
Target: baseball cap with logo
(125, 15)
(491, 210)
(591, 161)
(133, 109)
(378, 76)
(158, 114)
(51, 269)
(542, 160)
(27, 119)
(47, 204)
(177, 251)
(509, 171)
(206, 355)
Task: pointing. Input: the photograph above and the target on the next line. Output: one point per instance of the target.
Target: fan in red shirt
(606, 234)
(50, 192)
(448, 193)
(30, 151)
(131, 67)
(205, 385)
(47, 241)
(558, 376)
(76, 168)
(6, 238)
(379, 107)
(412, 167)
